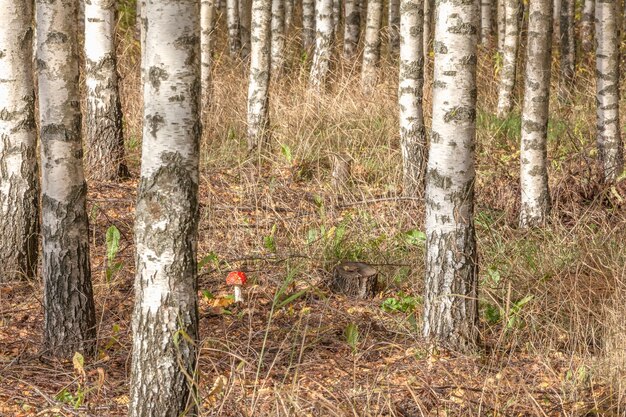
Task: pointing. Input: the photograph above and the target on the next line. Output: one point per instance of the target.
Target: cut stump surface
(355, 279)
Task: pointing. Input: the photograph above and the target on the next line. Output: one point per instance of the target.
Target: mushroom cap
(236, 278)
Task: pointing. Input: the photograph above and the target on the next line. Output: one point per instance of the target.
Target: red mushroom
(236, 279)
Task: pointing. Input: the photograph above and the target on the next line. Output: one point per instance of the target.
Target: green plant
(112, 248)
(352, 336)
(403, 303)
(269, 242)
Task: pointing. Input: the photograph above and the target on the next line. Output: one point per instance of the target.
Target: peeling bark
(165, 317)
(19, 173)
(69, 312)
(451, 305)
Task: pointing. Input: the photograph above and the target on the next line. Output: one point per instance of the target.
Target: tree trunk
(352, 28)
(535, 198)
(394, 27)
(568, 51)
(69, 312)
(323, 44)
(429, 17)
(165, 318)
(451, 304)
(556, 17)
(586, 27)
(412, 133)
(336, 15)
(610, 146)
(232, 21)
(308, 24)
(485, 21)
(19, 173)
(258, 89)
(501, 23)
(278, 37)
(105, 138)
(207, 33)
(371, 51)
(289, 5)
(245, 24)
(509, 58)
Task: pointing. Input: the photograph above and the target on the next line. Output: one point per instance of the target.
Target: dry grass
(286, 353)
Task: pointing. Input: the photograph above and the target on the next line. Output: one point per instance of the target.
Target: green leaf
(492, 314)
(352, 336)
(112, 242)
(209, 258)
(415, 237)
(208, 294)
(286, 151)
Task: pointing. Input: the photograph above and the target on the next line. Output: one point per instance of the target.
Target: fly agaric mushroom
(236, 279)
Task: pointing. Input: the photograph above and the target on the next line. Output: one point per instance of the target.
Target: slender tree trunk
(568, 49)
(336, 15)
(586, 27)
(105, 138)
(451, 304)
(352, 28)
(165, 318)
(394, 27)
(535, 198)
(556, 16)
(289, 6)
(371, 52)
(258, 88)
(207, 33)
(429, 17)
(323, 44)
(412, 133)
(232, 21)
(308, 24)
(245, 22)
(501, 23)
(485, 21)
(69, 312)
(509, 58)
(278, 36)
(19, 174)
(609, 139)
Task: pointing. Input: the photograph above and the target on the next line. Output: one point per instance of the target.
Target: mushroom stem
(238, 296)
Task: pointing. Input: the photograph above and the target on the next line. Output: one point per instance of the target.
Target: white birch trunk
(289, 5)
(485, 21)
(509, 58)
(451, 305)
(535, 195)
(411, 82)
(610, 146)
(69, 313)
(371, 51)
(245, 10)
(352, 28)
(278, 37)
(207, 33)
(586, 26)
(394, 26)
(308, 24)
(105, 138)
(19, 173)
(323, 44)
(258, 87)
(501, 23)
(165, 317)
(232, 21)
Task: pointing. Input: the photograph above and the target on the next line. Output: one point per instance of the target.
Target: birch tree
(450, 302)
(308, 24)
(587, 22)
(232, 21)
(501, 23)
(289, 6)
(485, 21)
(69, 312)
(105, 138)
(245, 25)
(323, 44)
(19, 173)
(394, 26)
(352, 27)
(568, 49)
(165, 317)
(278, 36)
(429, 16)
(258, 87)
(207, 29)
(371, 51)
(412, 136)
(509, 57)
(535, 196)
(336, 15)
(608, 134)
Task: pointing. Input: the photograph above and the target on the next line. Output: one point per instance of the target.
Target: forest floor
(551, 300)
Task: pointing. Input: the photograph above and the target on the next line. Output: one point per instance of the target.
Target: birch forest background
(312, 208)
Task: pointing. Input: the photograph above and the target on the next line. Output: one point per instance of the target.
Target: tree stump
(355, 279)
